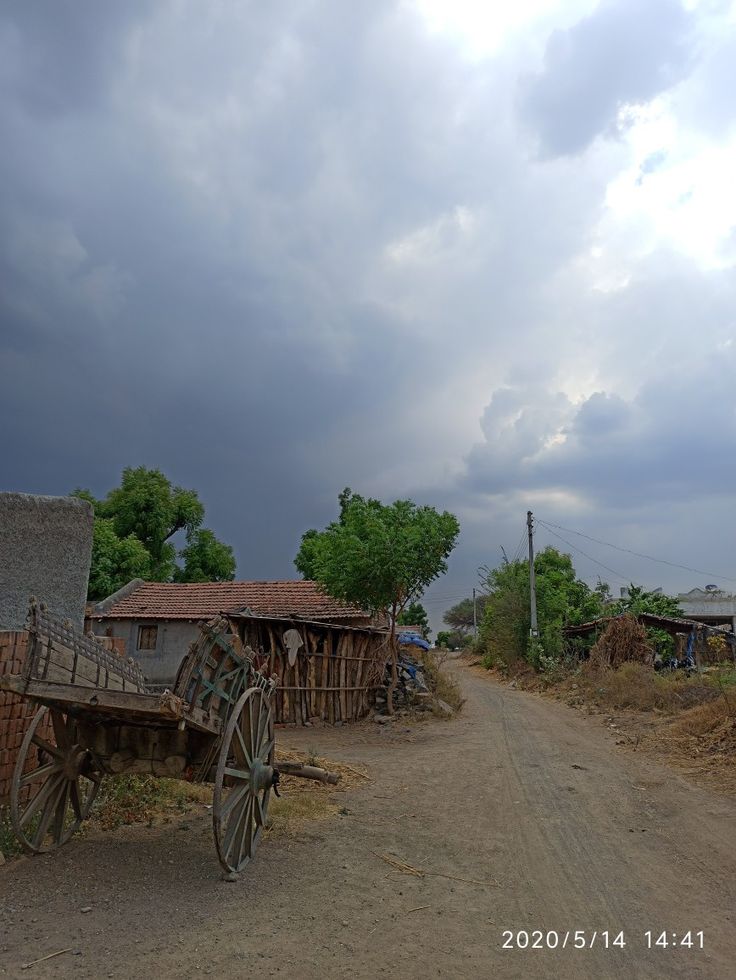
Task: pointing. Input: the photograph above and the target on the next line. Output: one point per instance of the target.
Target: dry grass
(440, 683)
(305, 801)
(131, 799)
(690, 721)
(639, 688)
(296, 808)
(704, 719)
(702, 741)
(144, 799)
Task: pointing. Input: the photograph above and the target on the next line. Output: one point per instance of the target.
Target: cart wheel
(245, 765)
(54, 783)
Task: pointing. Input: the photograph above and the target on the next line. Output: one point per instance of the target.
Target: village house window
(147, 636)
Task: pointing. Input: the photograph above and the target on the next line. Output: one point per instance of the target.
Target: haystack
(624, 640)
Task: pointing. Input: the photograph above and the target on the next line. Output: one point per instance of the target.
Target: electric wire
(623, 578)
(637, 554)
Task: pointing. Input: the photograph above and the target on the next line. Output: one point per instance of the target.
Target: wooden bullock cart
(96, 718)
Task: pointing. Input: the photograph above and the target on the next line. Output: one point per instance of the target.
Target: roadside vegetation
(687, 715)
(441, 684)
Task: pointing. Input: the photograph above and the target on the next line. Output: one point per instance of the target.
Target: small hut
(326, 671)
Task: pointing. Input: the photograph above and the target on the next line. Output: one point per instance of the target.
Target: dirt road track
(579, 835)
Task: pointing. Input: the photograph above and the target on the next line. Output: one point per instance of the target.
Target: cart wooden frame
(96, 718)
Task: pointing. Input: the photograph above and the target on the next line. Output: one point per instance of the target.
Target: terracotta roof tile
(179, 600)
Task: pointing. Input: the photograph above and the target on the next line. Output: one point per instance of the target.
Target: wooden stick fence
(336, 672)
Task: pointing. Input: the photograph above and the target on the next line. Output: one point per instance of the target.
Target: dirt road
(580, 836)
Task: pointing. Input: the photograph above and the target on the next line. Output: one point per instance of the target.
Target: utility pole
(475, 618)
(534, 630)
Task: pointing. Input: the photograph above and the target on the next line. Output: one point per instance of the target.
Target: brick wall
(15, 712)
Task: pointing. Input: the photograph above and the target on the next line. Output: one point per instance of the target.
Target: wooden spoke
(235, 823)
(37, 802)
(61, 810)
(239, 744)
(42, 771)
(48, 812)
(260, 812)
(246, 837)
(49, 795)
(61, 733)
(244, 762)
(235, 796)
(48, 747)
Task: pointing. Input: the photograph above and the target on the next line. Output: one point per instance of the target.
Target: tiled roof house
(158, 620)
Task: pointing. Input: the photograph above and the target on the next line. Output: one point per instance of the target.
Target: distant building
(158, 620)
(710, 606)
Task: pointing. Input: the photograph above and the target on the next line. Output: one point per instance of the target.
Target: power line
(520, 545)
(624, 578)
(628, 551)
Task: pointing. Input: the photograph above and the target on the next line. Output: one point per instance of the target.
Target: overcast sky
(479, 254)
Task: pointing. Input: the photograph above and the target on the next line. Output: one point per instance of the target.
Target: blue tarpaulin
(413, 639)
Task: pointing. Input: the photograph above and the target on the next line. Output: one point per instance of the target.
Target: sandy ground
(570, 831)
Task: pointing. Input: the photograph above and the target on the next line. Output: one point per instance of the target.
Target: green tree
(562, 600)
(453, 639)
(414, 614)
(638, 600)
(205, 559)
(115, 560)
(134, 525)
(379, 556)
(148, 506)
(460, 616)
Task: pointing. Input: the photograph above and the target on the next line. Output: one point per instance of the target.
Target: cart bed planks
(96, 718)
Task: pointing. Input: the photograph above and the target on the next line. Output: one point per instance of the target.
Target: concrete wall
(718, 606)
(174, 637)
(45, 551)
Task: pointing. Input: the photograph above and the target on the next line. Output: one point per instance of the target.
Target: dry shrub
(632, 686)
(704, 718)
(640, 688)
(440, 683)
(624, 640)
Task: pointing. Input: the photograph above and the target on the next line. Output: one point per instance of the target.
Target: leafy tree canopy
(205, 559)
(379, 556)
(460, 616)
(562, 599)
(133, 527)
(147, 505)
(638, 600)
(414, 614)
(115, 560)
(453, 639)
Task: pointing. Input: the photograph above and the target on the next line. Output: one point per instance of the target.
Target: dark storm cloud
(624, 53)
(182, 268)
(279, 249)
